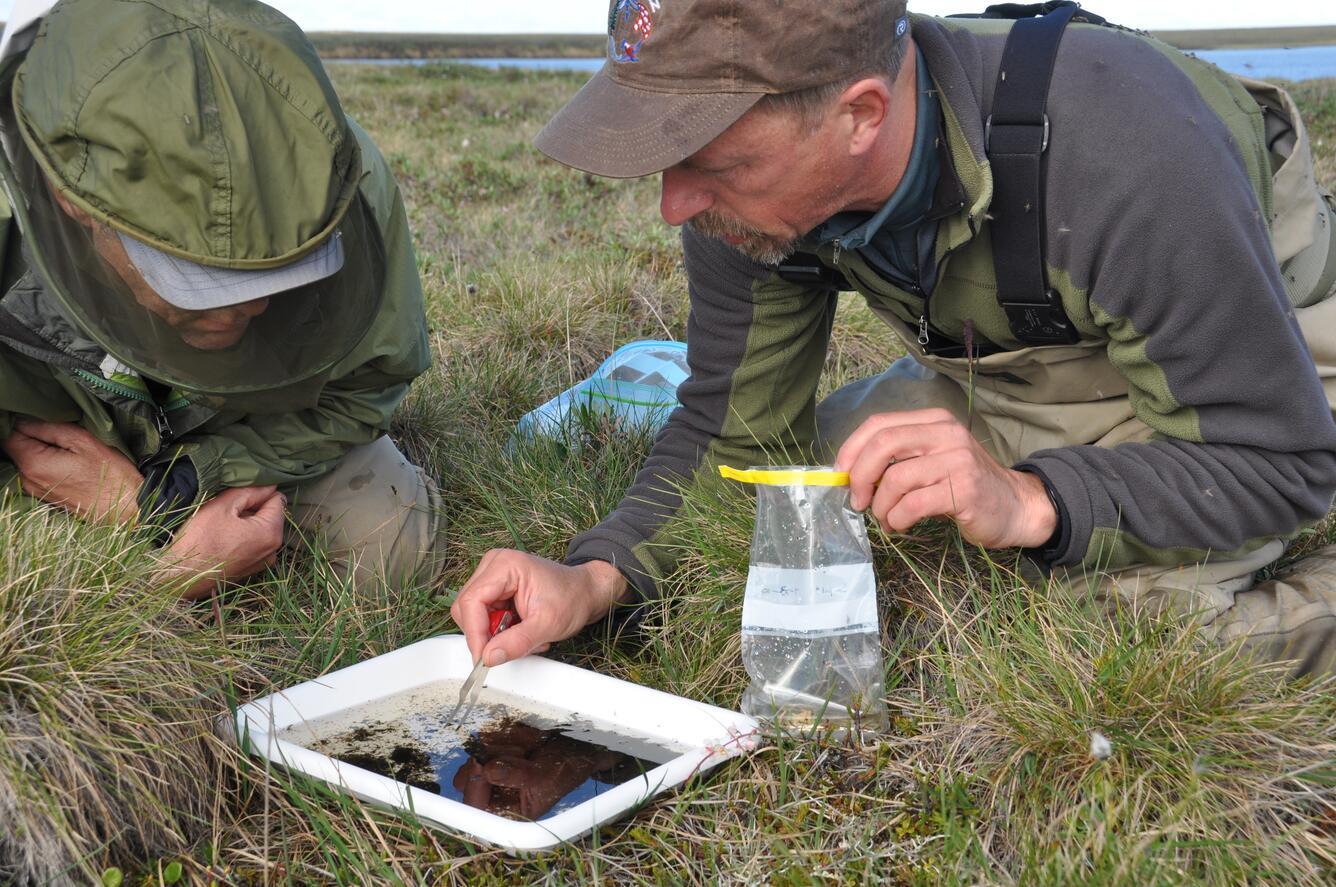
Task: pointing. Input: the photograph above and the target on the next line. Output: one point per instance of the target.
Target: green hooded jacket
(266, 168)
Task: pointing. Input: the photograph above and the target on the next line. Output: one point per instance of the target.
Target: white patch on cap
(197, 287)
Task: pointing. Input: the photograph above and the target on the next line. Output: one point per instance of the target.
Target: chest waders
(1015, 139)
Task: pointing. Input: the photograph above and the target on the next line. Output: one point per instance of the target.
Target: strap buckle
(988, 133)
(1040, 323)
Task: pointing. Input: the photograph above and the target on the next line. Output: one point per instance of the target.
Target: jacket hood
(208, 131)
(205, 129)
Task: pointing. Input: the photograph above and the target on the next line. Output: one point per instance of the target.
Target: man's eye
(718, 169)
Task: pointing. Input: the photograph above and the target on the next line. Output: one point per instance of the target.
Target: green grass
(1221, 772)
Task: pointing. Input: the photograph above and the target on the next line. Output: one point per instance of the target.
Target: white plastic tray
(711, 734)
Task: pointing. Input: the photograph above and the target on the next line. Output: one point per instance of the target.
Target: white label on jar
(840, 598)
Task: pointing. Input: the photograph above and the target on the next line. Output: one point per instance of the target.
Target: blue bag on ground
(637, 385)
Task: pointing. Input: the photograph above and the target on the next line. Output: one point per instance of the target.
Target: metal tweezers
(473, 684)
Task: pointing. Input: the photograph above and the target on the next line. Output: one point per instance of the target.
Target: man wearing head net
(210, 303)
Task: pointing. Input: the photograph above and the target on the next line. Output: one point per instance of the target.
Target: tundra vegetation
(1220, 771)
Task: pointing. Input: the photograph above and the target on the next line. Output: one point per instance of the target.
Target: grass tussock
(107, 698)
(1219, 771)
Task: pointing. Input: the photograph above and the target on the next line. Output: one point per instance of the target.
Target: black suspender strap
(1027, 10)
(1015, 138)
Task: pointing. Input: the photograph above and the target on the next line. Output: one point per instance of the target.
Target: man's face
(209, 330)
(761, 185)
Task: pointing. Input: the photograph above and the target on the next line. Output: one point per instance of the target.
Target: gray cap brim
(610, 129)
(197, 287)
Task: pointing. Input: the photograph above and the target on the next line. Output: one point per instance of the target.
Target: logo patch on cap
(630, 23)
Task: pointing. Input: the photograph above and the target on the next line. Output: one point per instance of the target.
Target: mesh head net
(267, 343)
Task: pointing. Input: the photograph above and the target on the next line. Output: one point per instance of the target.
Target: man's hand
(61, 463)
(924, 463)
(234, 535)
(554, 602)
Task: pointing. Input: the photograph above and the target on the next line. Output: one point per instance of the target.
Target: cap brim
(611, 129)
(197, 287)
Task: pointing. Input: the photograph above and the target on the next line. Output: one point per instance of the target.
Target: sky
(590, 16)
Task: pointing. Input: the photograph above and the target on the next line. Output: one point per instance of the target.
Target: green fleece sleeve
(756, 345)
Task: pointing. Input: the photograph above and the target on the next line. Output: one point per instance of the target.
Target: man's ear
(867, 103)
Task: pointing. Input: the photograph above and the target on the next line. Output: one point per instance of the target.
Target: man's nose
(253, 308)
(683, 196)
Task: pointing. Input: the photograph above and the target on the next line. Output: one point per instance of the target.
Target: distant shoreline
(347, 45)
(1250, 38)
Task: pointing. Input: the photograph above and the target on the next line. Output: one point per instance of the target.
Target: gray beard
(756, 246)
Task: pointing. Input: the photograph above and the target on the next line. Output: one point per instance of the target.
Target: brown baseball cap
(680, 72)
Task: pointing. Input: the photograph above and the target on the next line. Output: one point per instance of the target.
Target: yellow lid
(788, 477)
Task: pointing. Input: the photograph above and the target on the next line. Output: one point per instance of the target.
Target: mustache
(756, 244)
(714, 224)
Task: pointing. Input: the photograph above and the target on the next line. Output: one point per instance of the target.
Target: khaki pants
(378, 514)
(1289, 617)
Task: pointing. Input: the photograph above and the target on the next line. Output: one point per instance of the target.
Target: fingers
(200, 589)
(515, 643)
(914, 506)
(492, 583)
(65, 435)
(903, 478)
(272, 512)
(244, 500)
(554, 602)
(961, 481)
(889, 446)
(268, 524)
(19, 446)
(512, 772)
(472, 783)
(881, 422)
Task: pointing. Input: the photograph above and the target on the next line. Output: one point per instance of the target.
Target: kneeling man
(210, 303)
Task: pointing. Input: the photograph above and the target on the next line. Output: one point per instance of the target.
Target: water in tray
(511, 757)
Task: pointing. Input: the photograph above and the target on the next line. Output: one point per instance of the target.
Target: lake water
(1299, 63)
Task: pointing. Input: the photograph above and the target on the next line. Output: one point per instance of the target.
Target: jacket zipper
(911, 288)
(163, 424)
(923, 338)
